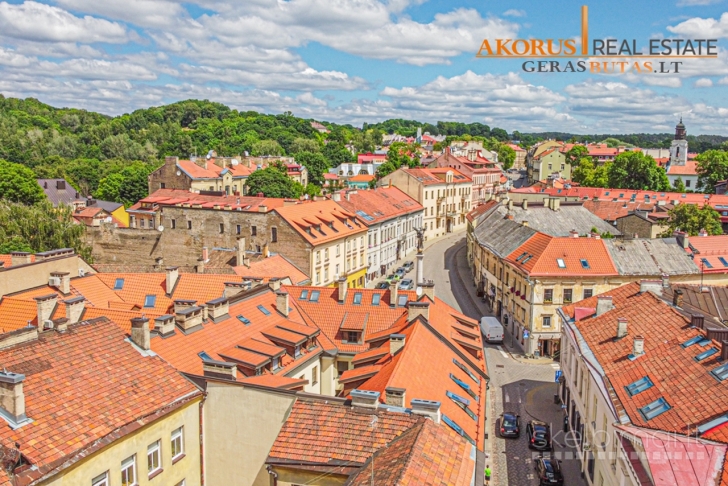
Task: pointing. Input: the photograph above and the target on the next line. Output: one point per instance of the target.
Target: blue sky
(352, 61)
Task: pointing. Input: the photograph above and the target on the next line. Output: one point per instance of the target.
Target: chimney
(697, 320)
(61, 324)
(393, 294)
(233, 288)
(164, 325)
(596, 235)
(140, 333)
(364, 399)
(61, 281)
(262, 208)
(219, 369)
(172, 276)
(266, 251)
(556, 205)
(510, 205)
(665, 281)
(394, 397)
(682, 239)
(654, 286)
(205, 255)
(20, 258)
(218, 309)
(348, 196)
(524, 204)
(638, 346)
(342, 290)
(189, 318)
(573, 234)
(240, 260)
(336, 197)
(418, 308)
(282, 302)
(396, 342)
(45, 304)
(724, 351)
(621, 327)
(703, 233)
(274, 284)
(12, 398)
(183, 304)
(604, 304)
(61, 185)
(524, 223)
(428, 408)
(677, 298)
(74, 309)
(428, 289)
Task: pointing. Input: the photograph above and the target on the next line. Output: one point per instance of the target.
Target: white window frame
(125, 465)
(154, 448)
(178, 433)
(101, 480)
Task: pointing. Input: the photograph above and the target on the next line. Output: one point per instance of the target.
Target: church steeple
(680, 131)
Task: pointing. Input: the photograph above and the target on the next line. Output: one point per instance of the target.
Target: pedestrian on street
(488, 472)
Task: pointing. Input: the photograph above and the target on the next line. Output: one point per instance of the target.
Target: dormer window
(352, 337)
(275, 363)
(297, 351)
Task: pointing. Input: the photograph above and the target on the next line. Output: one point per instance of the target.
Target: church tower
(679, 146)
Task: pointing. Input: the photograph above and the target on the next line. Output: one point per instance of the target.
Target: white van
(492, 329)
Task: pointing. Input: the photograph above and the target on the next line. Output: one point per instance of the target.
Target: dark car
(548, 471)
(510, 425)
(381, 285)
(539, 435)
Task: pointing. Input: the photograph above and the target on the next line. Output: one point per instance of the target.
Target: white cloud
(703, 83)
(693, 3)
(514, 13)
(702, 28)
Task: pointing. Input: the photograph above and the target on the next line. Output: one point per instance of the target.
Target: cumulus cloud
(693, 3)
(514, 13)
(703, 83)
(702, 28)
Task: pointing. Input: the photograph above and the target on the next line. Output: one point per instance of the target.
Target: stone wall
(167, 176)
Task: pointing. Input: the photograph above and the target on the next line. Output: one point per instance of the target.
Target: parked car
(539, 435)
(408, 266)
(393, 278)
(382, 285)
(492, 329)
(510, 425)
(400, 272)
(548, 471)
(406, 284)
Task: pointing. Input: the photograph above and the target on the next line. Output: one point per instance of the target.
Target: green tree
(635, 170)
(316, 164)
(127, 186)
(301, 144)
(336, 153)
(267, 147)
(18, 184)
(712, 167)
(691, 219)
(272, 182)
(679, 185)
(575, 154)
(506, 156)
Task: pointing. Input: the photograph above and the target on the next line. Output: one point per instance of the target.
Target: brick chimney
(189, 318)
(219, 369)
(274, 284)
(218, 309)
(172, 276)
(724, 351)
(394, 397)
(396, 342)
(164, 325)
(573, 234)
(233, 288)
(654, 286)
(74, 309)
(682, 239)
(12, 398)
(393, 294)
(336, 196)
(638, 346)
(677, 298)
(364, 399)
(64, 282)
(342, 289)
(428, 408)
(140, 333)
(182, 304)
(697, 320)
(604, 304)
(621, 327)
(45, 305)
(418, 308)
(282, 303)
(428, 289)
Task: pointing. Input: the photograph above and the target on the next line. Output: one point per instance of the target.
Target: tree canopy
(712, 167)
(316, 164)
(126, 186)
(273, 182)
(691, 219)
(18, 184)
(635, 170)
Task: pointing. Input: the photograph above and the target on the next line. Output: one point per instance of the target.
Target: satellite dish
(418, 291)
(179, 173)
(234, 162)
(160, 228)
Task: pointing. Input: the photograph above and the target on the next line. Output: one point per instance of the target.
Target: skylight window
(639, 386)
(264, 310)
(466, 371)
(723, 261)
(304, 295)
(464, 386)
(119, 284)
(376, 298)
(244, 320)
(521, 256)
(314, 296)
(585, 264)
(402, 300)
(692, 341)
(706, 354)
(560, 262)
(458, 398)
(357, 298)
(456, 428)
(721, 372)
(652, 410)
(526, 259)
(705, 262)
(204, 356)
(150, 300)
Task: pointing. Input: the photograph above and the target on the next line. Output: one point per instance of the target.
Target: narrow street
(518, 385)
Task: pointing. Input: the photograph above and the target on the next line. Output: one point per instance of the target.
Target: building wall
(631, 225)
(338, 258)
(690, 181)
(23, 277)
(383, 239)
(288, 476)
(240, 426)
(311, 371)
(548, 164)
(110, 458)
(166, 177)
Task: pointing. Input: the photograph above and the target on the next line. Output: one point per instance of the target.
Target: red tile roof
(212, 171)
(481, 209)
(720, 434)
(7, 260)
(711, 249)
(382, 203)
(312, 221)
(611, 210)
(180, 197)
(437, 175)
(361, 178)
(276, 266)
(690, 168)
(81, 388)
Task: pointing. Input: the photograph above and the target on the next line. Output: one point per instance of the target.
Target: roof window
(376, 298)
(721, 372)
(706, 354)
(585, 264)
(464, 386)
(639, 386)
(204, 356)
(723, 261)
(402, 300)
(652, 410)
(705, 262)
(304, 295)
(521, 256)
(466, 371)
(314, 296)
(264, 310)
(150, 300)
(692, 340)
(456, 428)
(244, 320)
(119, 284)
(357, 298)
(560, 262)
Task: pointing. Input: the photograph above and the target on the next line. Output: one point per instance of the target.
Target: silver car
(406, 284)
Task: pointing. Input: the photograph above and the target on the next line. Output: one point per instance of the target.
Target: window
(128, 471)
(341, 367)
(274, 235)
(304, 295)
(687, 183)
(253, 231)
(585, 264)
(189, 225)
(465, 387)
(376, 298)
(548, 295)
(154, 457)
(402, 300)
(264, 310)
(314, 375)
(568, 294)
(546, 321)
(141, 223)
(119, 284)
(706, 354)
(101, 480)
(638, 386)
(652, 410)
(456, 428)
(222, 228)
(314, 296)
(705, 262)
(466, 371)
(560, 263)
(721, 372)
(178, 446)
(204, 355)
(243, 319)
(238, 229)
(723, 260)
(352, 336)
(357, 298)
(174, 224)
(162, 185)
(150, 300)
(588, 293)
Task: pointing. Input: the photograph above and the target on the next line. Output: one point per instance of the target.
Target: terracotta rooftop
(276, 266)
(209, 170)
(710, 253)
(321, 221)
(690, 168)
(611, 210)
(437, 175)
(377, 205)
(180, 197)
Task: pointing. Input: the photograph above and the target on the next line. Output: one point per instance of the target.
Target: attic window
(692, 341)
(723, 261)
(304, 295)
(263, 310)
(402, 300)
(457, 428)
(462, 403)
(464, 386)
(119, 284)
(721, 372)
(466, 371)
(357, 298)
(204, 356)
(705, 262)
(521, 256)
(314, 296)
(526, 259)
(652, 410)
(706, 354)
(244, 320)
(376, 298)
(150, 300)
(585, 264)
(639, 386)
(560, 263)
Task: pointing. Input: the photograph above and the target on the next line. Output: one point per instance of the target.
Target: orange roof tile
(276, 266)
(276, 381)
(690, 168)
(7, 260)
(437, 175)
(312, 220)
(380, 204)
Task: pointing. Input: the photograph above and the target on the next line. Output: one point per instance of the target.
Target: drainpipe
(273, 474)
(202, 450)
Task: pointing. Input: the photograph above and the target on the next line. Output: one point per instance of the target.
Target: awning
(547, 336)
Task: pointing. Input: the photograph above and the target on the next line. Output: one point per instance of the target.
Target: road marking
(555, 366)
(505, 355)
(508, 398)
